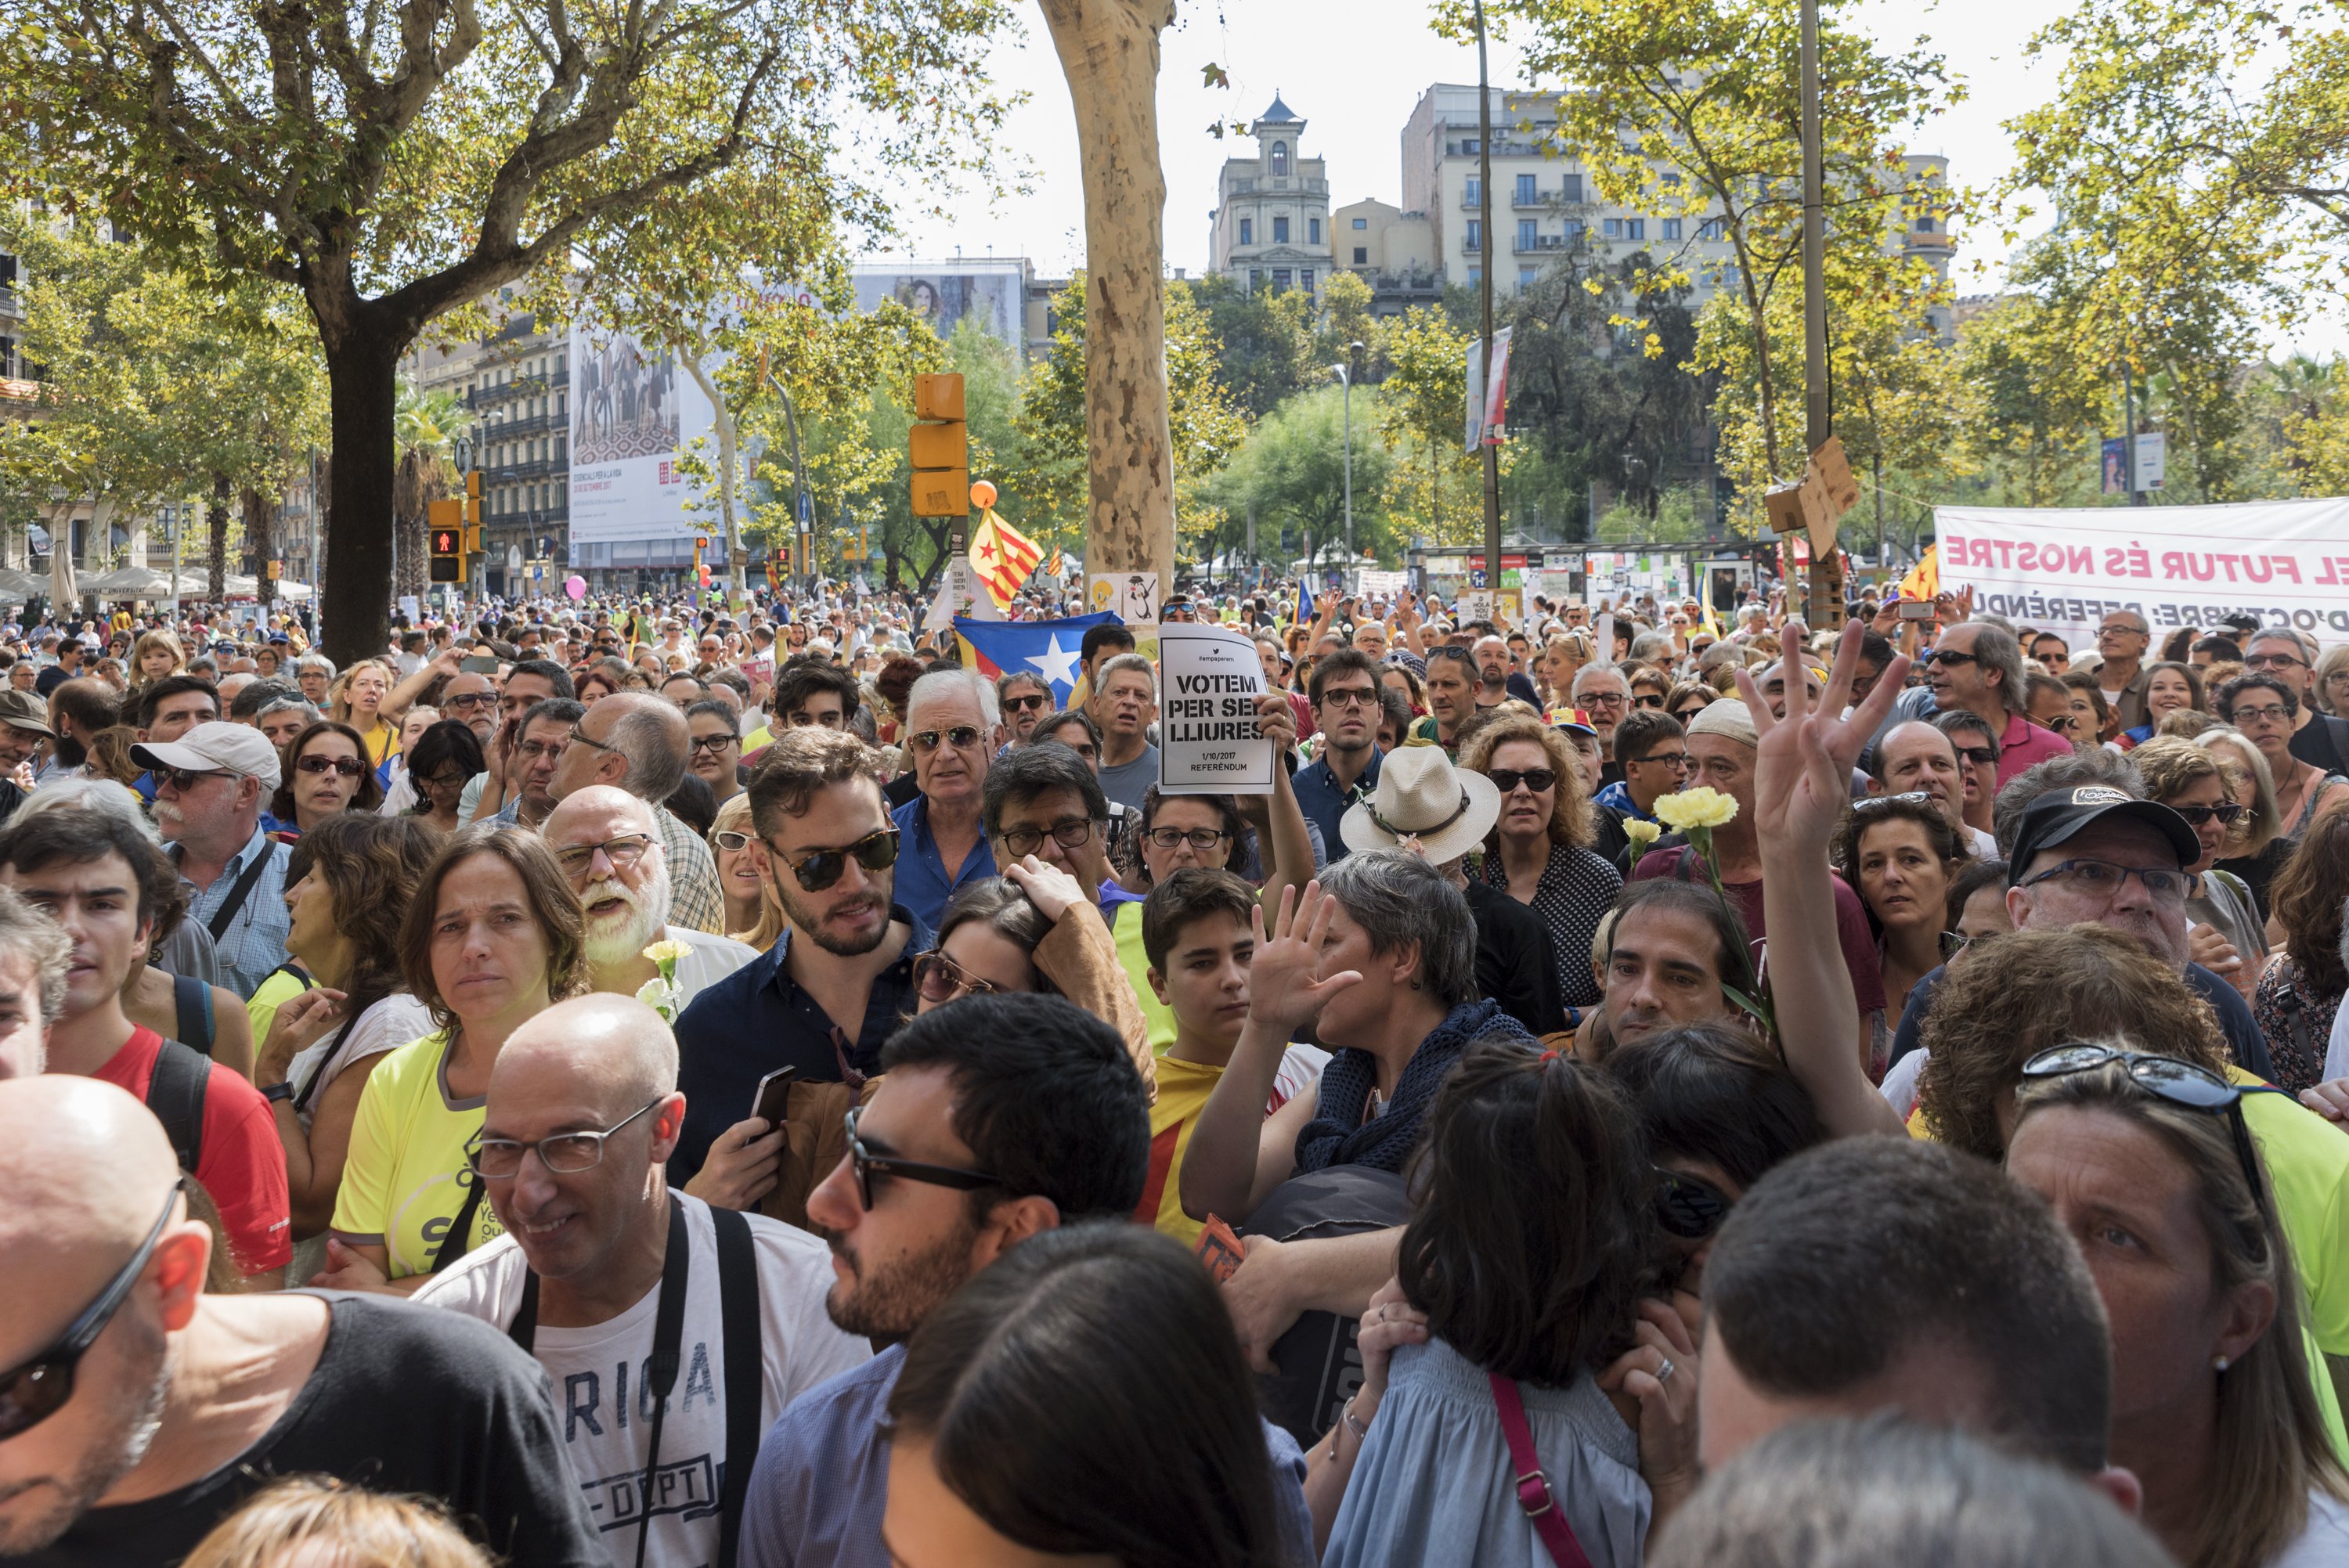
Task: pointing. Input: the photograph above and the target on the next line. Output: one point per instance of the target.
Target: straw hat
(1420, 793)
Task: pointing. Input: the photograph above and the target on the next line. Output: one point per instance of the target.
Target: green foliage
(1291, 473)
(1265, 346)
(1434, 487)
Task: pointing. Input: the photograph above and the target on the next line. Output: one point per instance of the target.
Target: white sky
(1353, 69)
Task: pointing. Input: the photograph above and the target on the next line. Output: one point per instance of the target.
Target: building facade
(1270, 228)
(516, 384)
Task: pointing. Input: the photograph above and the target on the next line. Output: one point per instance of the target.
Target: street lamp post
(1346, 379)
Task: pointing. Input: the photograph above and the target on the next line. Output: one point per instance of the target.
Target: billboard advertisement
(994, 296)
(633, 410)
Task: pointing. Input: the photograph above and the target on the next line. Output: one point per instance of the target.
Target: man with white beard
(611, 849)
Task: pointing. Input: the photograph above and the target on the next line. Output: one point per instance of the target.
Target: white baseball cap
(214, 748)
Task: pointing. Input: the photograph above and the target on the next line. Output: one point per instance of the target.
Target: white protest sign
(1380, 585)
(1208, 681)
(1131, 596)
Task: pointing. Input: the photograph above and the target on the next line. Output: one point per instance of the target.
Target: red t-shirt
(241, 1165)
(2024, 744)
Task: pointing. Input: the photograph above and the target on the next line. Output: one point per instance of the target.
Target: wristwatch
(284, 1091)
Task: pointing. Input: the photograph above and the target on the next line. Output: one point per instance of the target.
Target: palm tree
(425, 428)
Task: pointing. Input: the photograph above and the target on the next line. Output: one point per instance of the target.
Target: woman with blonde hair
(2256, 847)
(753, 913)
(2196, 785)
(1539, 849)
(1561, 659)
(357, 699)
(303, 1522)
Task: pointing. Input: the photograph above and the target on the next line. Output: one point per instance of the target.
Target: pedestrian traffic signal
(940, 447)
(473, 501)
(447, 540)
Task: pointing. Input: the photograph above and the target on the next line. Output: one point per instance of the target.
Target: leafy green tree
(1290, 475)
(1434, 487)
(1263, 343)
(392, 163)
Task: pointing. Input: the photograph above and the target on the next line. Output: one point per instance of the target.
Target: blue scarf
(1338, 1134)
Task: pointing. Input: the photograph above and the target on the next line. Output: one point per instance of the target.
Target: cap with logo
(2057, 817)
(214, 748)
(1573, 720)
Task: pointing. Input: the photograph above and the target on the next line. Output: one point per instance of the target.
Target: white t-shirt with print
(604, 1410)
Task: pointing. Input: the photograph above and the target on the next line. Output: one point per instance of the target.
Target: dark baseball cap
(2058, 816)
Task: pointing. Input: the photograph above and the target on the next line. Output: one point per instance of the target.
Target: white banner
(2286, 563)
(1208, 681)
(633, 410)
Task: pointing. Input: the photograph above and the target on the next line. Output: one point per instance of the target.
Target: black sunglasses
(33, 1391)
(865, 1165)
(349, 767)
(184, 779)
(1506, 779)
(2225, 811)
(819, 869)
(1950, 656)
(2172, 1078)
(1688, 1206)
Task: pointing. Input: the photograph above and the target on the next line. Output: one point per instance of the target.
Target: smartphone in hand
(772, 1098)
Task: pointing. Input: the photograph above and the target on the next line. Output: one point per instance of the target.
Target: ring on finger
(1665, 1370)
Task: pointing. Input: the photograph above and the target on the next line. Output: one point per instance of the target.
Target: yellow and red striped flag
(1003, 557)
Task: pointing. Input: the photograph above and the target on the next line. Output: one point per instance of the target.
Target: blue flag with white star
(1046, 648)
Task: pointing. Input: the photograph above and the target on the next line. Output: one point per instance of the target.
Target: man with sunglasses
(1000, 1116)
(610, 852)
(138, 1410)
(1025, 699)
(635, 742)
(598, 1253)
(211, 785)
(1977, 667)
(952, 731)
(837, 983)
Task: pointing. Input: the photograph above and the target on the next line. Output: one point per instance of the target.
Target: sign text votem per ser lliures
(1208, 681)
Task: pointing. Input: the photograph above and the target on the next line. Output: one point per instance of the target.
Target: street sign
(2152, 459)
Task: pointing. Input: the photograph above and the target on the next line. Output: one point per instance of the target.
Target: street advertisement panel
(633, 410)
(1208, 681)
(991, 296)
(2064, 570)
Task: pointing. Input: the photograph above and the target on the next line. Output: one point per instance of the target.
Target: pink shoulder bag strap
(1533, 1486)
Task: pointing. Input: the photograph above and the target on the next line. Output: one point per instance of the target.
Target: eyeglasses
(1200, 839)
(713, 743)
(1877, 803)
(2273, 662)
(1605, 699)
(1980, 756)
(819, 869)
(866, 1165)
(1675, 761)
(2267, 715)
(34, 1390)
(1350, 697)
(584, 738)
(1688, 1206)
(185, 779)
(730, 841)
(2105, 879)
(2225, 811)
(961, 735)
(468, 699)
(1536, 779)
(1021, 703)
(564, 1154)
(2179, 1082)
(622, 853)
(1069, 835)
(1954, 942)
(2117, 630)
(1946, 656)
(1647, 700)
(941, 979)
(349, 767)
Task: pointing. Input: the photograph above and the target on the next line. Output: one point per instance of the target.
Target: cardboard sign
(1131, 596)
(1208, 681)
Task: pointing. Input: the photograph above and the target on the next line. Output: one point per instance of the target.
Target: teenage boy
(1198, 935)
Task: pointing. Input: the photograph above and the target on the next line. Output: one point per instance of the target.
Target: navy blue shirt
(2244, 1041)
(1324, 800)
(925, 883)
(757, 1019)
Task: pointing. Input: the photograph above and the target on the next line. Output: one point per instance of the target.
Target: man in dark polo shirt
(1345, 692)
(836, 983)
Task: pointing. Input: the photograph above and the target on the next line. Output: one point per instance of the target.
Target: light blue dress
(1433, 1487)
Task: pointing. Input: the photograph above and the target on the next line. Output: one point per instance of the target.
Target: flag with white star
(1047, 648)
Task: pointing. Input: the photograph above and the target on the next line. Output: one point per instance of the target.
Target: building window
(1571, 187)
(1255, 278)
(1305, 280)
(1281, 230)
(1280, 157)
(1528, 193)
(1635, 228)
(1361, 255)
(1475, 190)
(1528, 233)
(1613, 228)
(1361, 223)
(1279, 278)
(1476, 233)
(1475, 275)
(1709, 230)
(1671, 228)
(1524, 277)
(1575, 229)
(1312, 231)
(1248, 232)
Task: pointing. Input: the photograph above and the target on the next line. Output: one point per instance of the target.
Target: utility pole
(1345, 374)
(1818, 419)
(2129, 430)
(1490, 453)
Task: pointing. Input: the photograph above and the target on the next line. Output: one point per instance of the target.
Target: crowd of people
(619, 1083)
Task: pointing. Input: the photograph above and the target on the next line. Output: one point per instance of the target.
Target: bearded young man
(610, 850)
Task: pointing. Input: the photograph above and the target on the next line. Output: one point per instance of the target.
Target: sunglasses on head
(2172, 1078)
(349, 767)
(819, 869)
(1690, 1207)
(34, 1390)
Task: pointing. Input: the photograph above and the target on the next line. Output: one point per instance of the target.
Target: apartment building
(1270, 227)
(516, 383)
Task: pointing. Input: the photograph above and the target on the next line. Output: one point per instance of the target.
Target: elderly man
(2122, 639)
(210, 785)
(314, 674)
(184, 1402)
(35, 959)
(610, 850)
(583, 1111)
(1917, 757)
(1978, 668)
(1124, 703)
(282, 718)
(1024, 699)
(1600, 691)
(635, 742)
(952, 728)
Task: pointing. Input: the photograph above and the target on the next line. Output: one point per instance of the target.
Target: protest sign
(1208, 681)
(2064, 569)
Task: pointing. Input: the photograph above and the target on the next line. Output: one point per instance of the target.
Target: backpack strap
(191, 1000)
(175, 1093)
(226, 914)
(738, 1308)
(1532, 1486)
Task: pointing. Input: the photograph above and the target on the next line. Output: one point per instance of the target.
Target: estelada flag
(1003, 557)
(1924, 581)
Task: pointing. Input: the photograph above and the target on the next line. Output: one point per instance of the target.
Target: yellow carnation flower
(1698, 808)
(665, 951)
(1641, 832)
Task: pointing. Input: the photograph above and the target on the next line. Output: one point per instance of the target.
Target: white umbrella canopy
(61, 570)
(20, 586)
(133, 582)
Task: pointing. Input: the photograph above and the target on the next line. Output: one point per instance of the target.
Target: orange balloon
(982, 495)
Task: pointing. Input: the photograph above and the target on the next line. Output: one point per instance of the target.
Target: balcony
(1528, 243)
(528, 425)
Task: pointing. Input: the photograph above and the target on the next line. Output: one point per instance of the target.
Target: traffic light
(940, 447)
(447, 540)
(473, 504)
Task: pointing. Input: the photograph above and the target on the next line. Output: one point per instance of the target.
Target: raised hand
(1283, 993)
(1802, 763)
(1276, 720)
(1052, 890)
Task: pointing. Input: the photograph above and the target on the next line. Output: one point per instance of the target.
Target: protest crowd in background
(1304, 1078)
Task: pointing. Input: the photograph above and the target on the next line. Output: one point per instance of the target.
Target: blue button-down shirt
(253, 941)
(925, 885)
(1324, 800)
(758, 1018)
(822, 1482)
